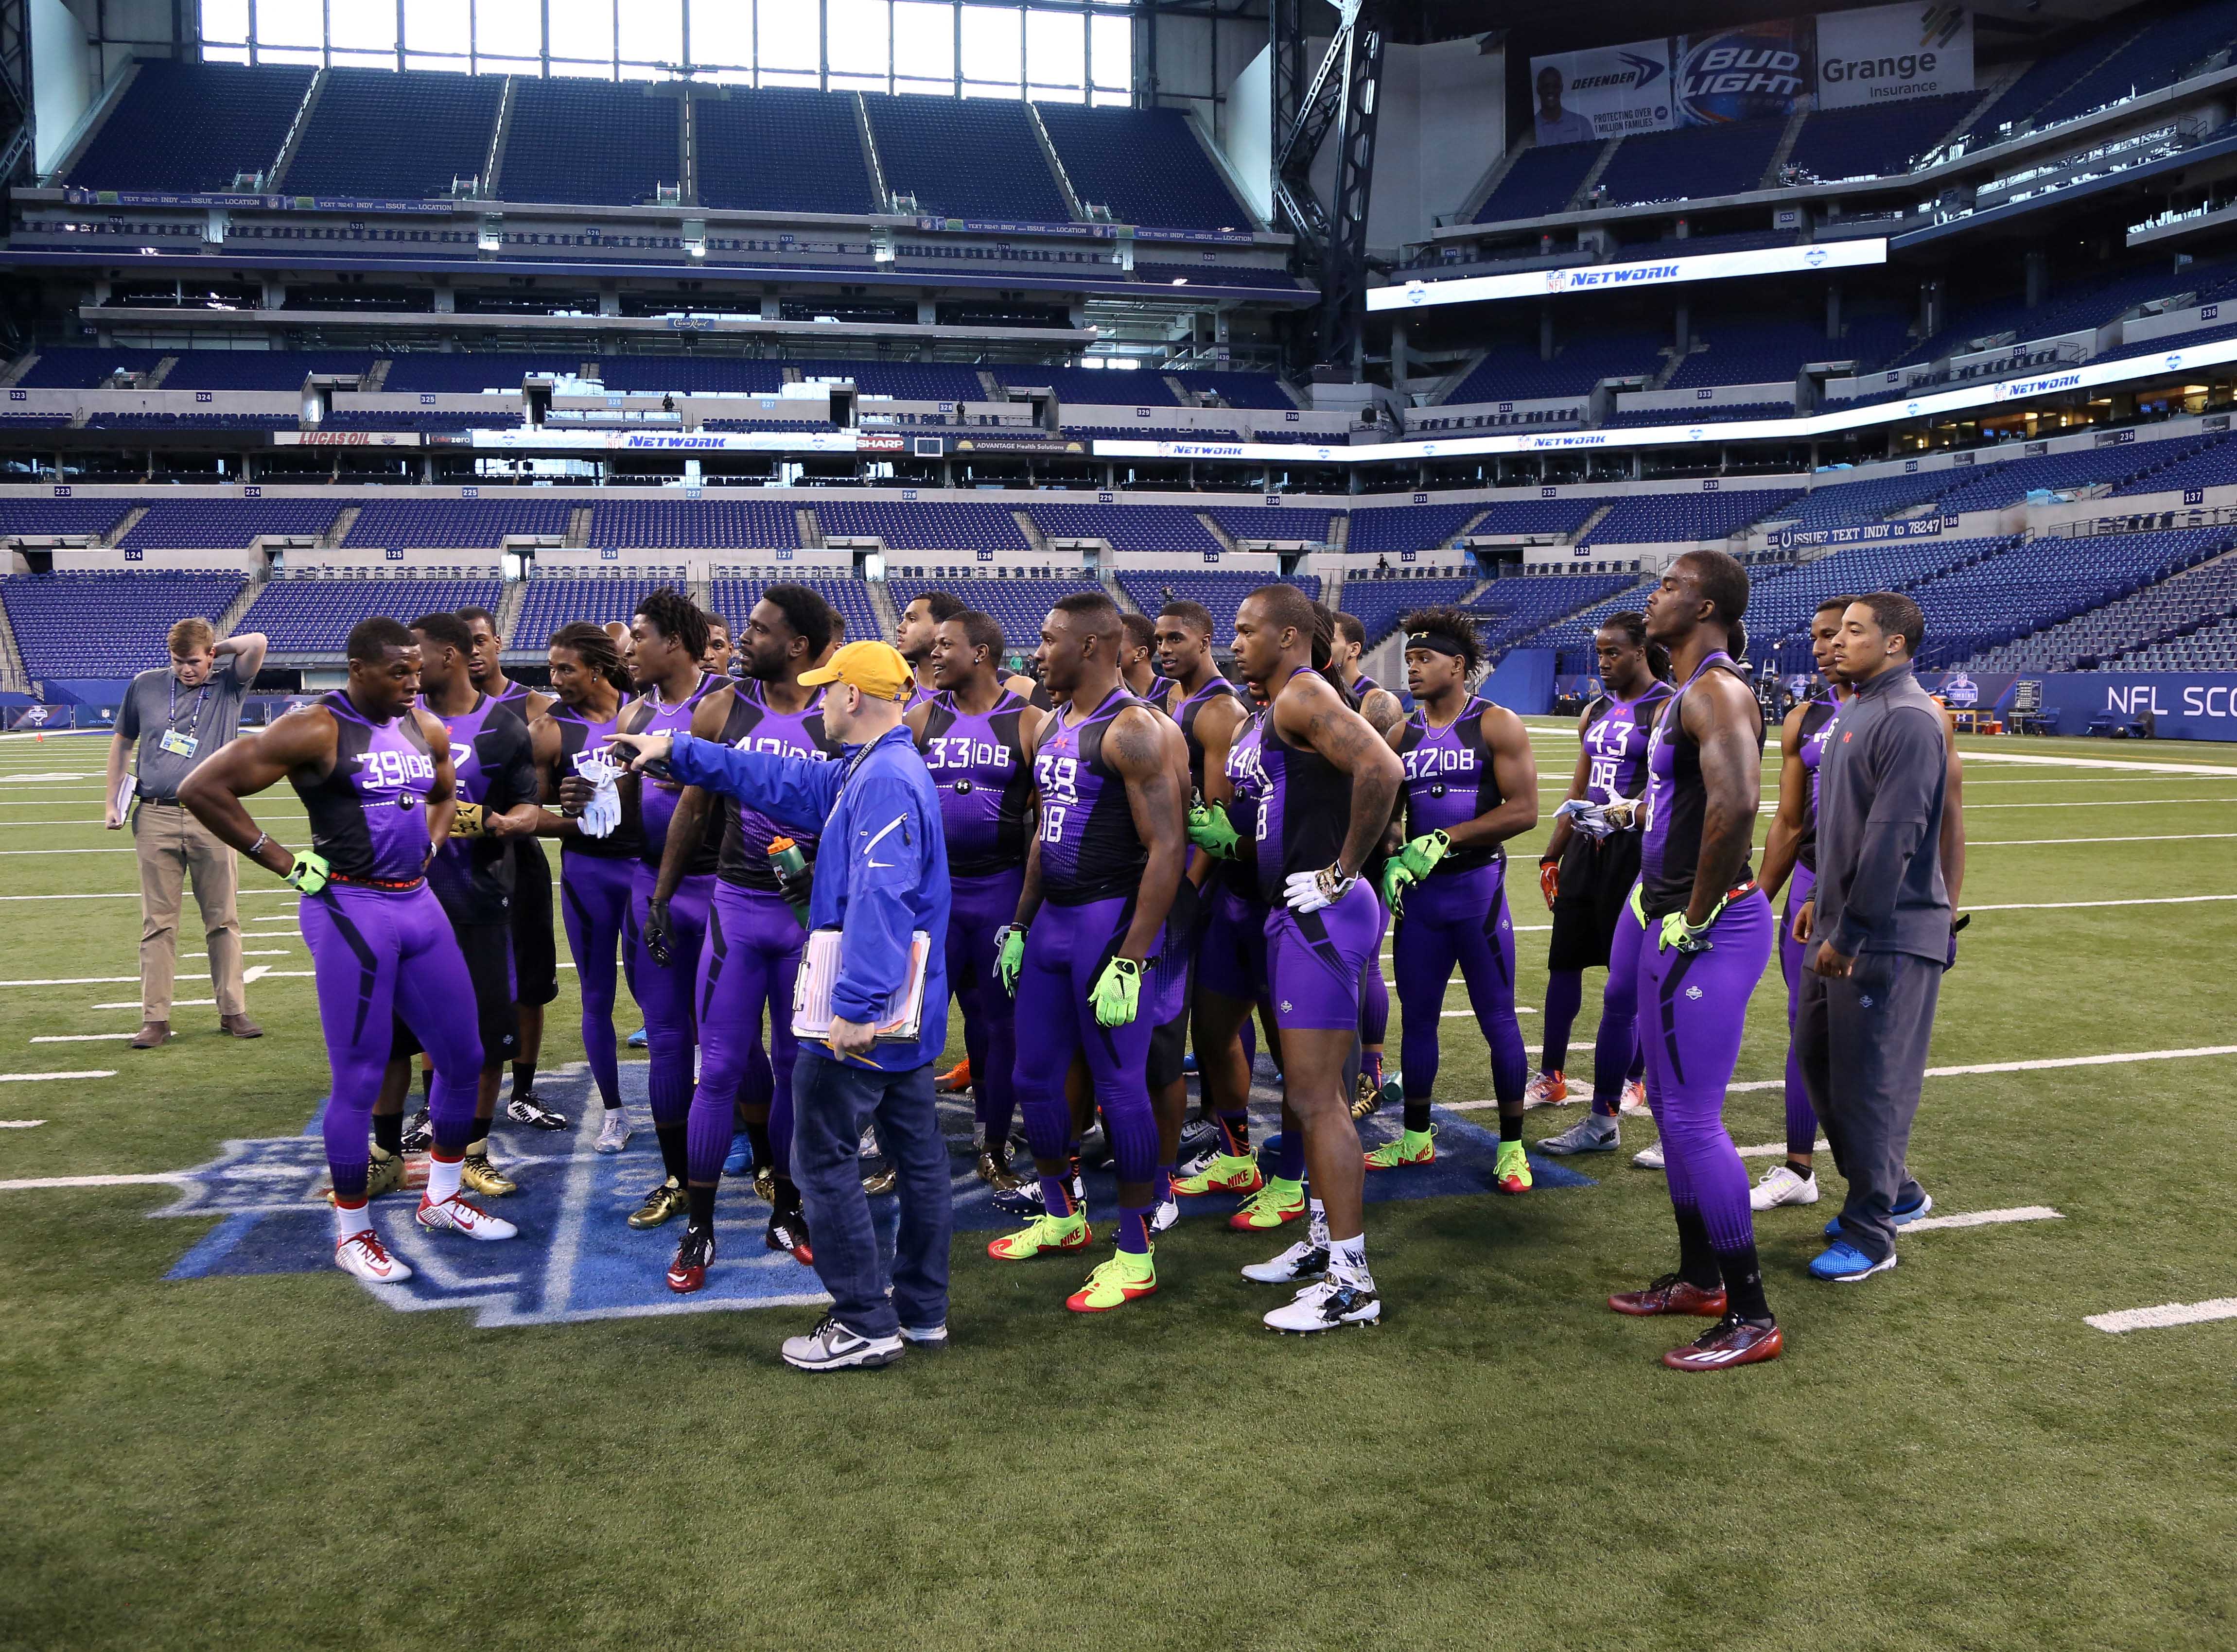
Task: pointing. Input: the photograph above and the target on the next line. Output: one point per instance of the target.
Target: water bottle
(790, 867)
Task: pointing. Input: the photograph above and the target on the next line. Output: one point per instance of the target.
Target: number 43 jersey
(983, 782)
(1090, 850)
(1616, 735)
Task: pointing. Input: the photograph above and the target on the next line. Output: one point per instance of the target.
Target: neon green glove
(1677, 932)
(1396, 880)
(1210, 830)
(1639, 904)
(1009, 956)
(1116, 994)
(1421, 856)
(309, 873)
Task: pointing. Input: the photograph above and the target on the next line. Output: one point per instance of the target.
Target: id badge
(178, 745)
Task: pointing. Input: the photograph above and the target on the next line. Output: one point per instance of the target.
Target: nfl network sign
(2201, 706)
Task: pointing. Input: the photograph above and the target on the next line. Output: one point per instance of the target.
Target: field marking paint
(74, 981)
(2099, 803)
(1777, 1150)
(47, 774)
(1985, 1218)
(2164, 837)
(2032, 760)
(117, 850)
(2080, 1061)
(157, 1178)
(2166, 1315)
(134, 894)
(133, 1003)
(81, 1038)
(2060, 905)
(21, 1123)
(40, 1078)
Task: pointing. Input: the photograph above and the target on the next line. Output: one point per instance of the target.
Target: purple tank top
(1677, 804)
(1819, 718)
(1090, 850)
(1616, 744)
(657, 798)
(983, 786)
(580, 739)
(1303, 802)
(1449, 780)
(756, 726)
(369, 814)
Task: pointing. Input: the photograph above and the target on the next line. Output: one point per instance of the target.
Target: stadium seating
(1842, 504)
(552, 601)
(1514, 372)
(1692, 164)
(212, 525)
(2212, 647)
(455, 524)
(1540, 181)
(106, 625)
(904, 526)
(2042, 582)
(2212, 465)
(84, 368)
(915, 381)
(1876, 140)
(1019, 606)
(260, 369)
(1652, 517)
(402, 134)
(314, 617)
(1144, 165)
(781, 148)
(416, 418)
(974, 158)
(735, 595)
(192, 421)
(1222, 593)
(55, 518)
(1704, 413)
(2154, 55)
(1515, 609)
(599, 143)
(1408, 527)
(1133, 527)
(1780, 607)
(1275, 525)
(1092, 386)
(469, 373)
(1995, 485)
(1571, 635)
(1238, 389)
(1753, 350)
(2170, 612)
(635, 524)
(192, 127)
(1378, 604)
(1536, 516)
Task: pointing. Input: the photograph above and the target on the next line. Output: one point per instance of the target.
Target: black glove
(796, 886)
(1954, 928)
(659, 938)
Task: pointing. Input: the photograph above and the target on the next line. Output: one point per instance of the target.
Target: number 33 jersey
(984, 783)
(1090, 850)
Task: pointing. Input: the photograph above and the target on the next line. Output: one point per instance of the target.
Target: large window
(1072, 51)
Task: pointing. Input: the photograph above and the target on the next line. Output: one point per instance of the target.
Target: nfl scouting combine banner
(1882, 54)
(1752, 73)
(1584, 97)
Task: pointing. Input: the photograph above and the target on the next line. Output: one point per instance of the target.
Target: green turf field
(1948, 1456)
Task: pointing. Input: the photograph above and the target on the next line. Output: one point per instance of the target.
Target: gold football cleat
(994, 1170)
(1366, 1098)
(484, 1178)
(665, 1201)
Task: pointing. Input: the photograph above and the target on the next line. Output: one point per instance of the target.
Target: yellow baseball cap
(876, 669)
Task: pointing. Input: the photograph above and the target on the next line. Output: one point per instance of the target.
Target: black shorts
(488, 951)
(1171, 985)
(535, 949)
(1596, 880)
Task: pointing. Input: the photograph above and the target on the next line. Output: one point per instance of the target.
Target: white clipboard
(902, 1021)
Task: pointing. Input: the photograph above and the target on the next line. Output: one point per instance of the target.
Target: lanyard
(171, 712)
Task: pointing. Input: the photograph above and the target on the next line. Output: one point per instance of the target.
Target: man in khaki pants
(178, 717)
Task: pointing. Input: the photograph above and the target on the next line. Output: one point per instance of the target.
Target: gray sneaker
(832, 1346)
(1591, 1134)
(1649, 1158)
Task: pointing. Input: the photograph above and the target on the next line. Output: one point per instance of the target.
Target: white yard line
(118, 850)
(160, 1177)
(1985, 1218)
(1972, 756)
(2167, 1313)
(21, 1123)
(2163, 837)
(74, 981)
(2061, 906)
(134, 894)
(40, 1078)
(81, 1037)
(2099, 803)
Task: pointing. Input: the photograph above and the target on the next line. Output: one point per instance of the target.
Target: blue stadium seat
(1144, 165)
(192, 127)
(380, 132)
(598, 142)
(781, 148)
(968, 158)
(314, 617)
(106, 625)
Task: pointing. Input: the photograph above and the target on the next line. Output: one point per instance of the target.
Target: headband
(1435, 642)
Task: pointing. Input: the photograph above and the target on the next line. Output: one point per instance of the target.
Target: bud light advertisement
(1754, 73)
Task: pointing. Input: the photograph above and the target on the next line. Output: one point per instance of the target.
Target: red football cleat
(1731, 1341)
(688, 1273)
(1671, 1294)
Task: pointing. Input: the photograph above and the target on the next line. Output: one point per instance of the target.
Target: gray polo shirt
(209, 716)
(1881, 789)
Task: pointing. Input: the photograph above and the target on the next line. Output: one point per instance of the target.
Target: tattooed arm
(1308, 712)
(1135, 747)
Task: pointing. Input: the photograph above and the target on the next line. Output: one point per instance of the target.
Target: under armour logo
(1286, 1006)
(1692, 992)
(1866, 1000)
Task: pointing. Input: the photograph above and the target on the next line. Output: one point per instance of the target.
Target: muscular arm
(1309, 712)
(689, 824)
(443, 796)
(1215, 727)
(1029, 893)
(543, 748)
(1785, 840)
(1723, 722)
(247, 650)
(1516, 770)
(1578, 783)
(301, 740)
(1135, 747)
(1382, 711)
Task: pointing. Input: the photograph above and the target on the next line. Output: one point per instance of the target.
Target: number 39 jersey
(984, 784)
(1090, 850)
(369, 814)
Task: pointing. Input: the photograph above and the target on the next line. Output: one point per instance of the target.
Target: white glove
(603, 812)
(1622, 814)
(1586, 817)
(1308, 892)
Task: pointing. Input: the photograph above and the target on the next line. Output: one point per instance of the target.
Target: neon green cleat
(1115, 1283)
(1412, 1147)
(1272, 1205)
(1047, 1234)
(1512, 1173)
(1228, 1173)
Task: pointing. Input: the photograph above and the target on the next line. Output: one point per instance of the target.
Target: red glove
(1549, 881)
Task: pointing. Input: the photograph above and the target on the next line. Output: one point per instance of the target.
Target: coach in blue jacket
(881, 873)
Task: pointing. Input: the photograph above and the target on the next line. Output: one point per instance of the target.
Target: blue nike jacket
(881, 869)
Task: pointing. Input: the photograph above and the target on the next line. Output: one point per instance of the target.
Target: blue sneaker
(1843, 1264)
(740, 1158)
(1905, 1215)
(637, 1039)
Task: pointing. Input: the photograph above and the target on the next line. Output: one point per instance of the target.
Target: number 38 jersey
(1090, 850)
(984, 784)
(369, 814)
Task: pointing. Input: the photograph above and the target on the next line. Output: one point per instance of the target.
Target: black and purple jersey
(977, 766)
(1616, 733)
(1090, 850)
(656, 798)
(1192, 708)
(918, 694)
(1677, 804)
(1449, 780)
(754, 725)
(580, 739)
(512, 703)
(369, 814)
(1302, 803)
(494, 766)
(1818, 718)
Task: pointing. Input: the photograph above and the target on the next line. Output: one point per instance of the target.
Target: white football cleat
(1649, 1157)
(455, 1215)
(1329, 1304)
(1634, 1099)
(1167, 1214)
(1783, 1185)
(1305, 1260)
(363, 1254)
(614, 1134)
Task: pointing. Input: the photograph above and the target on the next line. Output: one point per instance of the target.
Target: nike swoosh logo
(869, 849)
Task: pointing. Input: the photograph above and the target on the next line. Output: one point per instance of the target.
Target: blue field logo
(577, 1258)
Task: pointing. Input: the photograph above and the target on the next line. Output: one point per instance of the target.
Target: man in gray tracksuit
(1880, 917)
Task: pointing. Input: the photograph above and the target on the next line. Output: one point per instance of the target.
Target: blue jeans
(831, 1103)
